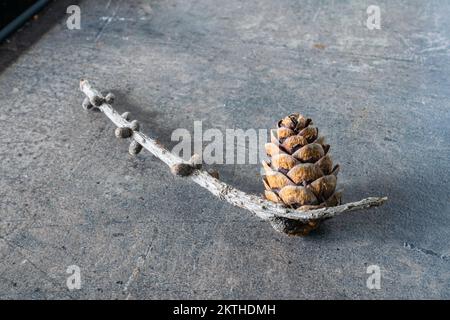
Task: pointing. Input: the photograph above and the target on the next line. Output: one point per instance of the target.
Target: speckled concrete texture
(71, 195)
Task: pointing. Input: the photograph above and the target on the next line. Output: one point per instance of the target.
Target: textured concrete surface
(70, 194)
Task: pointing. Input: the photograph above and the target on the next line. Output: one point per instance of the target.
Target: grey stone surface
(71, 195)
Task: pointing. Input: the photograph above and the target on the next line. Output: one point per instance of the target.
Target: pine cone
(300, 172)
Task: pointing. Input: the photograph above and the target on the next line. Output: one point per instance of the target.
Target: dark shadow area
(9, 10)
(18, 42)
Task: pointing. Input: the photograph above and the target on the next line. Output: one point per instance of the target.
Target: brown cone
(300, 172)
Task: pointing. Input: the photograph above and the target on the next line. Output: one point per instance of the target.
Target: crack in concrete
(426, 251)
(107, 22)
(140, 262)
(35, 266)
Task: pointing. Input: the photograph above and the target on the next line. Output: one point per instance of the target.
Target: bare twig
(260, 207)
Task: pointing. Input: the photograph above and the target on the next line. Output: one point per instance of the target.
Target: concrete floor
(71, 195)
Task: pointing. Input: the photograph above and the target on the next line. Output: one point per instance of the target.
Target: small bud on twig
(123, 132)
(186, 169)
(213, 173)
(87, 105)
(182, 169)
(126, 115)
(110, 97)
(135, 148)
(135, 125)
(196, 161)
(97, 101)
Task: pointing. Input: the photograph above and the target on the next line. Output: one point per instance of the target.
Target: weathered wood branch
(257, 205)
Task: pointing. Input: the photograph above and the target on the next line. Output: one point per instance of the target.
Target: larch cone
(299, 173)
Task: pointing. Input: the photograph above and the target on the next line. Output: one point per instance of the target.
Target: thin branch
(260, 207)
